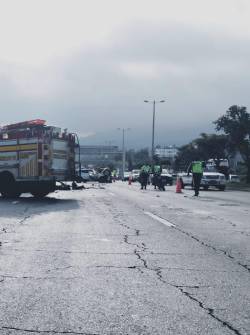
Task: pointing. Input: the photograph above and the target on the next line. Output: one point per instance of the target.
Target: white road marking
(112, 194)
(200, 212)
(158, 218)
(101, 239)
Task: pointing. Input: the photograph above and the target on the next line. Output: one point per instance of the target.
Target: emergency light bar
(36, 122)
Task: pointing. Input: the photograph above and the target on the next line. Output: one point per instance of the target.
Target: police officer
(196, 168)
(144, 174)
(114, 174)
(157, 176)
(157, 169)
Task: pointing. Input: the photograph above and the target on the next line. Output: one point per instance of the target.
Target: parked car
(213, 179)
(166, 177)
(127, 174)
(135, 175)
(234, 178)
(87, 174)
(174, 176)
(209, 179)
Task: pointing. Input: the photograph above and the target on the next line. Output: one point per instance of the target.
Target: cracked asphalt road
(92, 262)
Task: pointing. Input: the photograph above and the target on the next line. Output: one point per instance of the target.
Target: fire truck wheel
(8, 185)
(40, 195)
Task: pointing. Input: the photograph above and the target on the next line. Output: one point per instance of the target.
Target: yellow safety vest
(197, 167)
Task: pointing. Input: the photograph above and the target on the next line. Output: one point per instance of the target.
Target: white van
(214, 179)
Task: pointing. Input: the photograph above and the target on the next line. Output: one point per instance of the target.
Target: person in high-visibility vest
(113, 173)
(157, 170)
(144, 175)
(196, 168)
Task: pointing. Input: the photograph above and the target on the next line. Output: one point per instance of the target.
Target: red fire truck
(33, 157)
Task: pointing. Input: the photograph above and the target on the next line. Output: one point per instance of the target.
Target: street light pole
(123, 150)
(123, 153)
(153, 126)
(153, 133)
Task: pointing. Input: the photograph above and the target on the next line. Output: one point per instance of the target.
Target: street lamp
(123, 149)
(153, 126)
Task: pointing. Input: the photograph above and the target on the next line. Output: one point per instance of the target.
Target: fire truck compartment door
(59, 155)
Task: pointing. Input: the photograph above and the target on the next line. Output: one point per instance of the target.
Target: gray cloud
(201, 73)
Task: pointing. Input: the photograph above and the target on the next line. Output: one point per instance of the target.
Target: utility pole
(153, 133)
(123, 153)
(153, 128)
(123, 150)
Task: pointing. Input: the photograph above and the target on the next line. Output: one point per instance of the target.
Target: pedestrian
(196, 168)
(143, 177)
(114, 174)
(157, 180)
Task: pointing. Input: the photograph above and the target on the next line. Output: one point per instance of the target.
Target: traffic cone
(129, 180)
(178, 186)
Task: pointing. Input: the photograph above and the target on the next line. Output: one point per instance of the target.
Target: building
(98, 155)
(168, 152)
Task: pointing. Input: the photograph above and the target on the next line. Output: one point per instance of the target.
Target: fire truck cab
(33, 157)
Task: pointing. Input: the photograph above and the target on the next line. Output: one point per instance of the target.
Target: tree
(236, 125)
(212, 146)
(187, 153)
(141, 157)
(207, 146)
(137, 158)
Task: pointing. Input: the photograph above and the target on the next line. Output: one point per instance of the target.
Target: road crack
(60, 268)
(24, 219)
(183, 289)
(47, 331)
(144, 262)
(210, 311)
(126, 241)
(226, 253)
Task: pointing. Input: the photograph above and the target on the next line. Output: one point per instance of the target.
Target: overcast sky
(89, 65)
